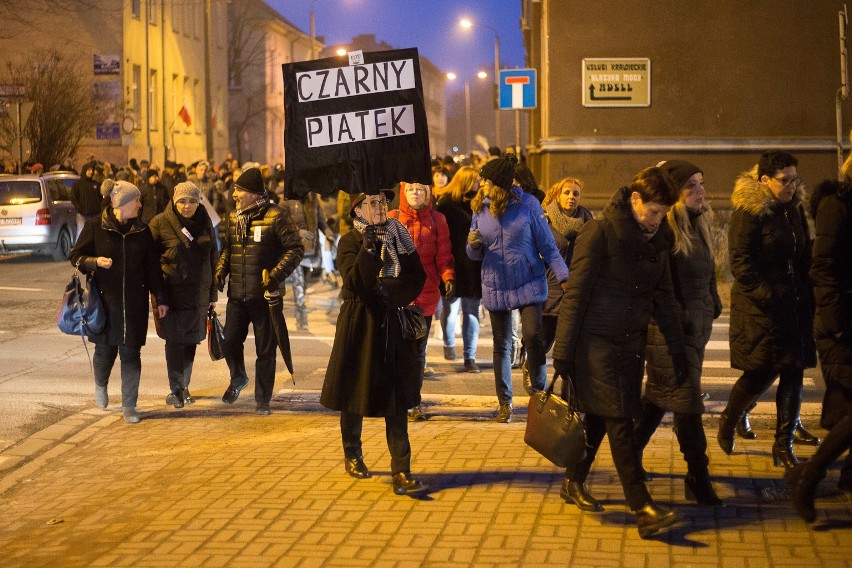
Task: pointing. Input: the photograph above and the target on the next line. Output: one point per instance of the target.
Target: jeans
(131, 369)
(501, 327)
(179, 360)
(470, 324)
(396, 432)
(238, 316)
(296, 280)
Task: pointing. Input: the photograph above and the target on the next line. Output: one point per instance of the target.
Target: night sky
(429, 25)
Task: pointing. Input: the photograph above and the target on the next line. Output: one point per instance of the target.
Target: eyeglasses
(378, 204)
(785, 181)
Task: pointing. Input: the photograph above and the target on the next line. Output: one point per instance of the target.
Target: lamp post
(468, 139)
(466, 23)
(313, 32)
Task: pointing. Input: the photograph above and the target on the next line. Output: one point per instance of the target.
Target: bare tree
(64, 107)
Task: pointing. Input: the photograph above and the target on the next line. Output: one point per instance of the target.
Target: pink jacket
(431, 236)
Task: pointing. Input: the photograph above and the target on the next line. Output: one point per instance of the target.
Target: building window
(177, 11)
(135, 93)
(152, 12)
(135, 9)
(152, 100)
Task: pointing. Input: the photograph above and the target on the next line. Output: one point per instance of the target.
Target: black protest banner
(357, 127)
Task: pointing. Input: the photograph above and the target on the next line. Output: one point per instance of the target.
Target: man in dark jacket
(86, 197)
(260, 236)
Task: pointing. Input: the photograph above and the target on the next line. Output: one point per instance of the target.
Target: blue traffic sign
(517, 89)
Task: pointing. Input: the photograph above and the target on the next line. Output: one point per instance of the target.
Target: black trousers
(688, 429)
(238, 316)
(838, 440)
(396, 432)
(179, 360)
(624, 453)
(131, 369)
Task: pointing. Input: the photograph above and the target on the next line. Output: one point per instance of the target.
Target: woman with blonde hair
(455, 206)
(694, 279)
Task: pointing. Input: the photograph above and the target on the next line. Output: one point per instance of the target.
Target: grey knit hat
(120, 192)
(187, 189)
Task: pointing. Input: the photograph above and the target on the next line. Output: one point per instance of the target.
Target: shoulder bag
(554, 428)
(82, 311)
(215, 336)
(412, 322)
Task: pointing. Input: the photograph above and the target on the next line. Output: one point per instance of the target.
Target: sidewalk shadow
(443, 481)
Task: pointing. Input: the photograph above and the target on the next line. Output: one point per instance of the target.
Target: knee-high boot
(744, 425)
(738, 404)
(789, 402)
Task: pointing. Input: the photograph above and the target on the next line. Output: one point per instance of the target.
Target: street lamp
(467, 122)
(313, 32)
(466, 23)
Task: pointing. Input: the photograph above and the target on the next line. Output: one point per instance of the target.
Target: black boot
(789, 402)
(744, 425)
(652, 519)
(803, 437)
(693, 446)
(577, 493)
(804, 478)
(699, 489)
(738, 403)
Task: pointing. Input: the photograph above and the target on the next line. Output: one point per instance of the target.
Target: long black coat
(831, 273)
(617, 281)
(771, 300)
(694, 280)
(468, 271)
(187, 267)
(125, 285)
(373, 371)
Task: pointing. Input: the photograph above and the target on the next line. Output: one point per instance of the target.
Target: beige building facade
(728, 80)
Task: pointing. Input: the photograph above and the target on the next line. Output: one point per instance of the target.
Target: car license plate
(10, 220)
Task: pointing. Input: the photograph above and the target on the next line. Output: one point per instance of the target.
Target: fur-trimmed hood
(755, 198)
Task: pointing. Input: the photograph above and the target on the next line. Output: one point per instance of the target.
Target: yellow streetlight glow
(482, 74)
(465, 23)
(451, 76)
(340, 51)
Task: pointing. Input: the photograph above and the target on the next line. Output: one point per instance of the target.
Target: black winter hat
(251, 180)
(500, 171)
(680, 171)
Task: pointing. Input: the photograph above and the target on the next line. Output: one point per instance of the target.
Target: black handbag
(412, 322)
(554, 428)
(82, 311)
(215, 336)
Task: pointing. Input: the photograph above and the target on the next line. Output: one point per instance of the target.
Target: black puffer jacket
(125, 285)
(272, 243)
(831, 273)
(694, 280)
(617, 281)
(187, 266)
(771, 299)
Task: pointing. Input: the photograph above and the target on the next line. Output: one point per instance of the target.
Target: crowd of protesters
(629, 294)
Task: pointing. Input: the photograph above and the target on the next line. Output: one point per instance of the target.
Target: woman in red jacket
(431, 237)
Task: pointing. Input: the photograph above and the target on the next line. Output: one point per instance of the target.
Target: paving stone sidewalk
(216, 485)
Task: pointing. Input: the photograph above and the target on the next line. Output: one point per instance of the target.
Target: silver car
(36, 214)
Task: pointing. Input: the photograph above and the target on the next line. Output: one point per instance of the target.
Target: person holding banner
(510, 236)
(373, 370)
(260, 236)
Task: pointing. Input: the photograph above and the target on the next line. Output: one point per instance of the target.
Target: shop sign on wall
(612, 82)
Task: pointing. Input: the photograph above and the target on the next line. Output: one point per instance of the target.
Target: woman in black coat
(694, 280)
(831, 273)
(455, 206)
(373, 371)
(119, 249)
(187, 245)
(771, 330)
(619, 278)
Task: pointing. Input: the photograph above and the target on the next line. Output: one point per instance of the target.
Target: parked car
(36, 214)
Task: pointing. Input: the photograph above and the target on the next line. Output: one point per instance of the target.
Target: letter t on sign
(517, 84)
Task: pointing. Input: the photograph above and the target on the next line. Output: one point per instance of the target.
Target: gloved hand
(371, 239)
(564, 367)
(450, 291)
(220, 281)
(681, 368)
(474, 239)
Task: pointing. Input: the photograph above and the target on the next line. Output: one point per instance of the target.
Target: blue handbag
(82, 311)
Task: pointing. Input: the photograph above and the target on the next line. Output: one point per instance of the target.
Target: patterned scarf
(395, 240)
(565, 223)
(245, 216)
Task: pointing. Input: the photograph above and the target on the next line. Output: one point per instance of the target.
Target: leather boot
(699, 489)
(803, 437)
(804, 479)
(744, 425)
(738, 404)
(652, 518)
(789, 403)
(577, 493)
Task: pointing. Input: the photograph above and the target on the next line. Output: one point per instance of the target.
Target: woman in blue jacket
(511, 237)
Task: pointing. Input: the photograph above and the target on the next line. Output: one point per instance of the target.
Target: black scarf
(245, 217)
